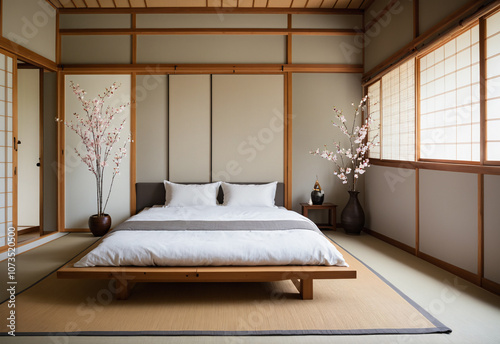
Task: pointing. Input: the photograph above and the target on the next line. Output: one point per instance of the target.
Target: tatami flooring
(471, 312)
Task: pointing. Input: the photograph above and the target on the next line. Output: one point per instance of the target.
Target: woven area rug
(366, 305)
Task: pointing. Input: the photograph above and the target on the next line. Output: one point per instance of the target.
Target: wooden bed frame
(125, 277)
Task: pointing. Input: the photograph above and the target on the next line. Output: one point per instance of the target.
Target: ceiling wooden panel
(314, 3)
(79, 3)
(122, 3)
(137, 3)
(229, 3)
(107, 3)
(356, 4)
(299, 3)
(92, 3)
(259, 4)
(342, 3)
(67, 3)
(245, 3)
(279, 3)
(328, 3)
(214, 3)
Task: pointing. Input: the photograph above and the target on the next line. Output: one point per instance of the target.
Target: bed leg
(122, 288)
(305, 288)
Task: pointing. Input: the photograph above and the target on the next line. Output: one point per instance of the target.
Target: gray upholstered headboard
(149, 194)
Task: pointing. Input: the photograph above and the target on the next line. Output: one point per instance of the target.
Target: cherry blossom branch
(356, 163)
(93, 129)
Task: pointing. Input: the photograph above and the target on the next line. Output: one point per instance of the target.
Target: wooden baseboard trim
(391, 241)
(466, 275)
(490, 286)
(28, 230)
(71, 230)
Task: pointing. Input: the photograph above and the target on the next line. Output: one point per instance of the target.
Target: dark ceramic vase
(317, 197)
(99, 224)
(353, 217)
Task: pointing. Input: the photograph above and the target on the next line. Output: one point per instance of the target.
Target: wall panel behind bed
(189, 128)
(247, 135)
(152, 128)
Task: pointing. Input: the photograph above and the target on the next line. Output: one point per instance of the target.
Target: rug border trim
(402, 331)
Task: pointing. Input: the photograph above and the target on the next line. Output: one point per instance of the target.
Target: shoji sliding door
(8, 148)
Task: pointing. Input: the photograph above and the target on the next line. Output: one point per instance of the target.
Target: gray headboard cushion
(149, 194)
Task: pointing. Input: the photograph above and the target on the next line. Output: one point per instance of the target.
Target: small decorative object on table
(354, 164)
(317, 195)
(98, 139)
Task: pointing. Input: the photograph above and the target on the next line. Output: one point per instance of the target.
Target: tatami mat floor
(471, 312)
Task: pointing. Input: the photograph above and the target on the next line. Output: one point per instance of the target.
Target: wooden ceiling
(213, 4)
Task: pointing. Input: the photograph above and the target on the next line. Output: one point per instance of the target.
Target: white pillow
(187, 195)
(249, 195)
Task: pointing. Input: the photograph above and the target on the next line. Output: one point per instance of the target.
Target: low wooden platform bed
(194, 239)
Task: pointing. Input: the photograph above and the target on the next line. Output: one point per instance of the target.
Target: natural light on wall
(398, 113)
(374, 109)
(493, 88)
(449, 100)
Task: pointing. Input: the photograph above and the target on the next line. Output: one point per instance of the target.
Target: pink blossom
(352, 158)
(94, 130)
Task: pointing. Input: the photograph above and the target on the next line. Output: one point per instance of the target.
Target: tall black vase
(353, 216)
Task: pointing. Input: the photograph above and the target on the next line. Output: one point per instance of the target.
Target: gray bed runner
(269, 225)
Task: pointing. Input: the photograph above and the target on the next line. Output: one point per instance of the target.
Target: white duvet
(215, 247)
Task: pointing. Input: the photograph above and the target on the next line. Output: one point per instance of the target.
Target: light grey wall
(152, 128)
(448, 217)
(220, 20)
(211, 49)
(28, 155)
(327, 21)
(49, 152)
(491, 228)
(432, 11)
(390, 34)
(31, 24)
(94, 21)
(327, 49)
(96, 49)
(189, 128)
(395, 29)
(390, 202)
(314, 96)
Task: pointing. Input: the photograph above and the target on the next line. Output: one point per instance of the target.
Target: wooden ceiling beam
(264, 5)
(213, 68)
(209, 10)
(215, 31)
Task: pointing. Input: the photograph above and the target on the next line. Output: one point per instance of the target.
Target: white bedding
(214, 247)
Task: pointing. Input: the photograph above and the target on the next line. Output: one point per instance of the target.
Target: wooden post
(305, 288)
(122, 289)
